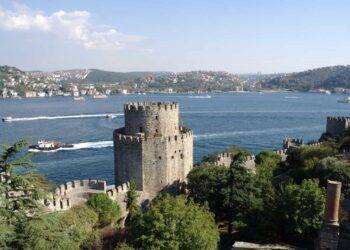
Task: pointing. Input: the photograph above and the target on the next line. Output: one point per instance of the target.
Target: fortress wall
(282, 153)
(155, 154)
(225, 159)
(186, 155)
(78, 186)
(337, 125)
(166, 160)
(78, 191)
(128, 159)
(152, 118)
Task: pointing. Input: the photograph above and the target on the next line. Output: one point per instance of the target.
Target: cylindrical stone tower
(152, 149)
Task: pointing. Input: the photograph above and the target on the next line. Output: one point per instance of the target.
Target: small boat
(345, 100)
(109, 116)
(100, 96)
(79, 98)
(49, 146)
(200, 96)
(7, 119)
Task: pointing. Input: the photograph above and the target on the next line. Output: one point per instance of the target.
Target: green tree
(72, 229)
(330, 168)
(301, 161)
(108, 211)
(175, 223)
(241, 196)
(300, 211)
(21, 192)
(205, 184)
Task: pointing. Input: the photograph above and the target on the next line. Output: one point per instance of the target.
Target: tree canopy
(108, 211)
(176, 223)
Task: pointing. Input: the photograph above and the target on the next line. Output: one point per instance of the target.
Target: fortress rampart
(78, 191)
(226, 159)
(337, 125)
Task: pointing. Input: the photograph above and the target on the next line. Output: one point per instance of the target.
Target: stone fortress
(152, 149)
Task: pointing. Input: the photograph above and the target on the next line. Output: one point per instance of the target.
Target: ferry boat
(7, 119)
(345, 100)
(100, 96)
(49, 146)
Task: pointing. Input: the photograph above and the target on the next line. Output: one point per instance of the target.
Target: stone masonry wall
(152, 149)
(127, 158)
(337, 125)
(73, 193)
(155, 119)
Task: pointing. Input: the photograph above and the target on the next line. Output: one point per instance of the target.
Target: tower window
(159, 157)
(182, 156)
(140, 129)
(172, 157)
(156, 130)
(156, 117)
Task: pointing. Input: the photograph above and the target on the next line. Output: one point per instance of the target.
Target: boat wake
(255, 132)
(77, 146)
(106, 144)
(112, 115)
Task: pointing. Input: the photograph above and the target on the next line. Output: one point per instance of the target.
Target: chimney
(332, 206)
(328, 237)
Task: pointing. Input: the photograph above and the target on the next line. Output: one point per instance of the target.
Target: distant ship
(200, 96)
(49, 146)
(100, 96)
(345, 100)
(109, 116)
(7, 119)
(79, 98)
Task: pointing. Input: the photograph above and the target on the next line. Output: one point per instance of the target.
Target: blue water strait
(250, 120)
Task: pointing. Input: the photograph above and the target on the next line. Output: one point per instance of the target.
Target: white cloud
(73, 25)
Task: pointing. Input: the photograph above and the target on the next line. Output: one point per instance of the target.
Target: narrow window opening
(172, 157)
(140, 129)
(159, 157)
(156, 117)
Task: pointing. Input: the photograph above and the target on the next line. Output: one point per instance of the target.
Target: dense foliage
(175, 223)
(327, 77)
(260, 206)
(21, 191)
(301, 210)
(73, 229)
(108, 211)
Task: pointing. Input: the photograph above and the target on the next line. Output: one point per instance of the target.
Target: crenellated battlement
(78, 185)
(141, 106)
(337, 125)
(338, 118)
(128, 138)
(122, 189)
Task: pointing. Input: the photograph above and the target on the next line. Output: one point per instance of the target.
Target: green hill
(101, 76)
(327, 78)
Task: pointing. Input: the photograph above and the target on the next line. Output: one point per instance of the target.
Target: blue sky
(238, 36)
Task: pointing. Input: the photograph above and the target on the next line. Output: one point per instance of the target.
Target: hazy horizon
(240, 37)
